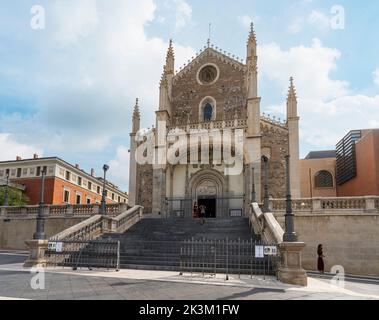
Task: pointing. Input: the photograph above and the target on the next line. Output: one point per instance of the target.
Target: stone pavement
(65, 284)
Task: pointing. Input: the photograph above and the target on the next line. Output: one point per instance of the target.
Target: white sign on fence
(59, 247)
(270, 251)
(52, 246)
(55, 246)
(259, 252)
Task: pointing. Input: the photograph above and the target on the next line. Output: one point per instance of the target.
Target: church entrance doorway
(210, 207)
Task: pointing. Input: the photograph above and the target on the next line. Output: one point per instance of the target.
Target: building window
(88, 200)
(66, 196)
(19, 173)
(79, 181)
(112, 196)
(207, 109)
(78, 199)
(68, 175)
(208, 112)
(1, 173)
(324, 179)
(25, 171)
(119, 199)
(98, 190)
(90, 185)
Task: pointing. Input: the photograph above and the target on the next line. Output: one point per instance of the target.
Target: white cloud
(97, 59)
(311, 66)
(296, 26)
(325, 123)
(327, 108)
(119, 168)
(183, 13)
(73, 20)
(376, 76)
(10, 149)
(245, 20)
(319, 19)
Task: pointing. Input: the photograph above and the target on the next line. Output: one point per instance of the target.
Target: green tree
(15, 197)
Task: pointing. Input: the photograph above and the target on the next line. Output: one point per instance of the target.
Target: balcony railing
(368, 204)
(63, 210)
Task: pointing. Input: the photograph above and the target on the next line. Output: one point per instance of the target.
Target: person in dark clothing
(203, 212)
(320, 261)
(196, 211)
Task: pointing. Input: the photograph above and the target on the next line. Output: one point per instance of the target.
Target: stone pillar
(37, 250)
(293, 140)
(132, 199)
(159, 191)
(290, 270)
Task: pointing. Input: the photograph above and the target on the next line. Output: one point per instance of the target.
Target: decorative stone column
(37, 250)
(290, 270)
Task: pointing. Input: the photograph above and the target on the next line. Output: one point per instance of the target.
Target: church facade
(214, 98)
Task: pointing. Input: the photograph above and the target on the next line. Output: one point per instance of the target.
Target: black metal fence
(248, 257)
(84, 254)
(203, 256)
(229, 257)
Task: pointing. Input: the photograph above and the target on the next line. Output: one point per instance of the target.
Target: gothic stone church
(216, 91)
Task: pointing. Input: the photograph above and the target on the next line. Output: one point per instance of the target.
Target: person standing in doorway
(196, 211)
(320, 261)
(203, 210)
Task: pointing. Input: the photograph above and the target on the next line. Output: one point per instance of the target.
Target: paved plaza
(65, 284)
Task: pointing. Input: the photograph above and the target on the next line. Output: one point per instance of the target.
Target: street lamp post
(40, 232)
(266, 194)
(253, 192)
(6, 196)
(289, 235)
(103, 207)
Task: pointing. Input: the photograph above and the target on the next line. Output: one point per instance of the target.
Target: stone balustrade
(266, 225)
(367, 204)
(62, 210)
(98, 225)
(224, 124)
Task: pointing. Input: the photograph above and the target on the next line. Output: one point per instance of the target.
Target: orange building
(358, 166)
(64, 183)
(317, 175)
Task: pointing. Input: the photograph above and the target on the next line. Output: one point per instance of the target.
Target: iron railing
(83, 254)
(247, 257)
(201, 256)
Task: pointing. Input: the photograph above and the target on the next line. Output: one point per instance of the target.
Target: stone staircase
(157, 243)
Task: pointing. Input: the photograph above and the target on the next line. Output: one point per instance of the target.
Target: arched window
(324, 179)
(208, 112)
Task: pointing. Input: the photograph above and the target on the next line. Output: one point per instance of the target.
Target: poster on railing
(270, 251)
(59, 247)
(259, 252)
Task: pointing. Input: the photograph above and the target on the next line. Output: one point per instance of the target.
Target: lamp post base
(37, 250)
(290, 270)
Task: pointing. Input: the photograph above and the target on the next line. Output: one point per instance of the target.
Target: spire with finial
(292, 90)
(252, 36)
(136, 117)
(291, 101)
(252, 42)
(170, 58)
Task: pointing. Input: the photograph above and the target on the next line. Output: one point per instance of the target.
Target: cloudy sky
(68, 90)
